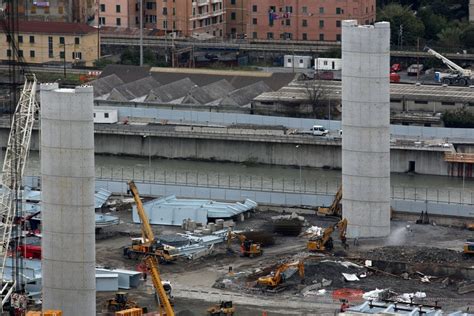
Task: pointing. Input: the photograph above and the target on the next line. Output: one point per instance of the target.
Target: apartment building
(54, 42)
(77, 11)
(302, 20)
(118, 13)
(237, 18)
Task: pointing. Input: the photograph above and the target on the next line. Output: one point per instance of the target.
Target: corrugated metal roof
(172, 211)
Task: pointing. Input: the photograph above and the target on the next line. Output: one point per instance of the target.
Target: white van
(318, 130)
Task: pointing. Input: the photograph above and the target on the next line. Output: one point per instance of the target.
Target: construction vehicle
(248, 248)
(324, 242)
(130, 312)
(225, 308)
(120, 302)
(147, 245)
(335, 209)
(468, 249)
(164, 295)
(277, 278)
(458, 76)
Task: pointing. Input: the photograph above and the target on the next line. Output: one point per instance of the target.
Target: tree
(317, 96)
(433, 23)
(404, 16)
(131, 56)
(459, 118)
(467, 36)
(450, 37)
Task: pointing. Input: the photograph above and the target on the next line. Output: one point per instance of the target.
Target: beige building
(78, 11)
(51, 42)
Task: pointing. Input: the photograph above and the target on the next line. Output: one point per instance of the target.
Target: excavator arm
(152, 265)
(335, 209)
(276, 279)
(146, 228)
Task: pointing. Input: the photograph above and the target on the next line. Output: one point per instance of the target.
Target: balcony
(202, 2)
(207, 15)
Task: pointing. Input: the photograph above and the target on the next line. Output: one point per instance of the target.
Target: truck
(458, 76)
(415, 69)
(316, 130)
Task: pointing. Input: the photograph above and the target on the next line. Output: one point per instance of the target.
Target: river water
(184, 171)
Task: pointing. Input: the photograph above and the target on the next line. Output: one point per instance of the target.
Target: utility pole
(64, 53)
(98, 30)
(141, 32)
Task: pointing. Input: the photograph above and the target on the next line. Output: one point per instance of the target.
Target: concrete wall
(67, 176)
(366, 128)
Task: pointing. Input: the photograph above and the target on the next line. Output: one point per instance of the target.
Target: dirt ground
(193, 281)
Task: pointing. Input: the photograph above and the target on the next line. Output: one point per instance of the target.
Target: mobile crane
(147, 245)
(165, 305)
(459, 75)
(335, 209)
(324, 242)
(277, 278)
(248, 248)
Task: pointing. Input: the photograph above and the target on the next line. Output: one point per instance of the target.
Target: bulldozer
(225, 308)
(121, 302)
(325, 242)
(248, 248)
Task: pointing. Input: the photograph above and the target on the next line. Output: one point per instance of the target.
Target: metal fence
(274, 184)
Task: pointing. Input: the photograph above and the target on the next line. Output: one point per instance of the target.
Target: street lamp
(299, 161)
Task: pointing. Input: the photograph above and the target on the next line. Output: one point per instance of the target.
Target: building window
(77, 40)
(269, 35)
(20, 39)
(20, 53)
(106, 115)
(304, 10)
(254, 8)
(62, 55)
(61, 40)
(101, 20)
(338, 23)
(165, 11)
(118, 21)
(32, 39)
(165, 24)
(9, 53)
(339, 11)
(305, 37)
(232, 15)
(232, 2)
(338, 37)
(102, 8)
(76, 55)
(254, 34)
(32, 54)
(321, 37)
(289, 9)
(174, 11)
(60, 9)
(288, 22)
(50, 47)
(321, 24)
(9, 38)
(321, 10)
(305, 23)
(117, 8)
(254, 21)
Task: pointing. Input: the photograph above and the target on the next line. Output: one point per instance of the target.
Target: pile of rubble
(414, 254)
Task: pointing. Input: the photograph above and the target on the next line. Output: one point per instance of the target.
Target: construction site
(75, 243)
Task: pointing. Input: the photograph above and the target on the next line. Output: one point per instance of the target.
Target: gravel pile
(414, 254)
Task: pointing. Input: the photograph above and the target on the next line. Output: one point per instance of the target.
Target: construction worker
(344, 306)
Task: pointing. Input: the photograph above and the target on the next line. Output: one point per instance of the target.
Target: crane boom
(451, 65)
(152, 265)
(14, 164)
(146, 228)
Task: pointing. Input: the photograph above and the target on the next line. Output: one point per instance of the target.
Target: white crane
(459, 77)
(13, 170)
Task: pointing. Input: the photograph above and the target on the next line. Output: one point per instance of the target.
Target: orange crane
(277, 278)
(324, 242)
(147, 245)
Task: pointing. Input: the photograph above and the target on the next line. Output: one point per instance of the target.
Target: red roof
(54, 28)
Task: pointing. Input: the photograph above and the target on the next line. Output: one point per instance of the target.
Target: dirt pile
(315, 272)
(414, 254)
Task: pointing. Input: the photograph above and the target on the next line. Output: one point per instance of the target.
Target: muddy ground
(193, 281)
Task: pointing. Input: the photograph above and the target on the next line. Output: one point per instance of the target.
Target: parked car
(396, 68)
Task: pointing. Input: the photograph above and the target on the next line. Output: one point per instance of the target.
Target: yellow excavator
(163, 294)
(277, 278)
(324, 242)
(248, 248)
(335, 209)
(147, 245)
(225, 308)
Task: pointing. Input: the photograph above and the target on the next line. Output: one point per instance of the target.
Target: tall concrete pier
(366, 128)
(471, 10)
(67, 177)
